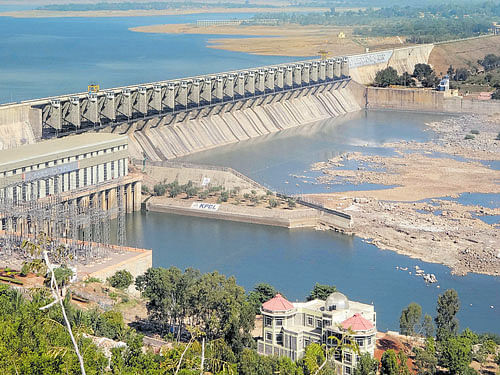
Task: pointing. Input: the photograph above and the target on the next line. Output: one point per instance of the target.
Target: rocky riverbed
(415, 215)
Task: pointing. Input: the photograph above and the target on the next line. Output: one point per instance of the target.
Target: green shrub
(269, 192)
(121, 279)
(159, 189)
(224, 196)
(25, 270)
(273, 203)
(62, 275)
(291, 203)
(144, 189)
(92, 280)
(474, 131)
(470, 136)
(203, 195)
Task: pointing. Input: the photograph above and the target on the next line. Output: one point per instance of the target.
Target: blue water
(273, 159)
(293, 260)
(43, 57)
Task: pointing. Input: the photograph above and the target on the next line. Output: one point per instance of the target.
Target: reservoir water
(46, 57)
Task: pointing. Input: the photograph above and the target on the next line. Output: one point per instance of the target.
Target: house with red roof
(289, 327)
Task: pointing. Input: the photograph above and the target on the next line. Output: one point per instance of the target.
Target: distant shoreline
(152, 12)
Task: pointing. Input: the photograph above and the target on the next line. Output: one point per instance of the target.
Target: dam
(173, 118)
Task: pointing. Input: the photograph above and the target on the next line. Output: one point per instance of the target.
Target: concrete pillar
(112, 199)
(337, 69)
(240, 88)
(322, 71)
(93, 110)
(314, 72)
(127, 103)
(129, 198)
(344, 69)
(270, 79)
(306, 71)
(137, 195)
(297, 75)
(170, 97)
(74, 111)
(55, 119)
(206, 91)
(143, 100)
(250, 84)
(289, 76)
(229, 89)
(280, 78)
(109, 109)
(157, 98)
(100, 173)
(261, 81)
(194, 95)
(183, 94)
(330, 69)
(219, 88)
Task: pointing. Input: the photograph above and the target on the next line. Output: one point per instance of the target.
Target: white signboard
(205, 206)
(369, 59)
(206, 181)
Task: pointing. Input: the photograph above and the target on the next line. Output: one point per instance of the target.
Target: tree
(62, 275)
(366, 365)
(389, 363)
(462, 74)
(422, 71)
(262, 292)
(410, 317)
(121, 279)
(403, 363)
(448, 305)
(425, 359)
(456, 354)
(159, 189)
(427, 326)
(451, 72)
(496, 96)
(321, 291)
(386, 77)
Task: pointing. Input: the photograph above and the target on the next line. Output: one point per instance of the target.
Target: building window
(306, 342)
(84, 176)
(47, 182)
(347, 370)
(347, 358)
(268, 321)
(112, 169)
(360, 341)
(309, 320)
(327, 323)
(369, 340)
(319, 323)
(279, 339)
(105, 171)
(269, 337)
(279, 322)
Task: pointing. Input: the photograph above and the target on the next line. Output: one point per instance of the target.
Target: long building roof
(44, 151)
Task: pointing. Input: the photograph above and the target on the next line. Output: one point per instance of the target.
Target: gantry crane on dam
(206, 95)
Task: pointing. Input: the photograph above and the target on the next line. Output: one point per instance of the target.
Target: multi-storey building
(62, 165)
(288, 328)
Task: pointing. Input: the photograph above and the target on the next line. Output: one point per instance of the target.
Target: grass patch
(470, 136)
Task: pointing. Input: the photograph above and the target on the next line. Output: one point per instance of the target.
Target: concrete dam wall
(363, 68)
(183, 138)
(19, 125)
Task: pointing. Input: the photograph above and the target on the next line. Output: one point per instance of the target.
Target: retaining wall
(19, 124)
(426, 100)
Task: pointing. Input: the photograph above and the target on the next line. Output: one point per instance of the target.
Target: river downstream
(294, 260)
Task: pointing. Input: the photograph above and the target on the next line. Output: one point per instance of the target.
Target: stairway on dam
(183, 138)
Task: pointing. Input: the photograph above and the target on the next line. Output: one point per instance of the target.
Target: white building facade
(288, 328)
(46, 168)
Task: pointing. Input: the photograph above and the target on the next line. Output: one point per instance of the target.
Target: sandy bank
(144, 13)
(283, 40)
(440, 231)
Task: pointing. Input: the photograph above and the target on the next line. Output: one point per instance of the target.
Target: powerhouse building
(68, 164)
(288, 328)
